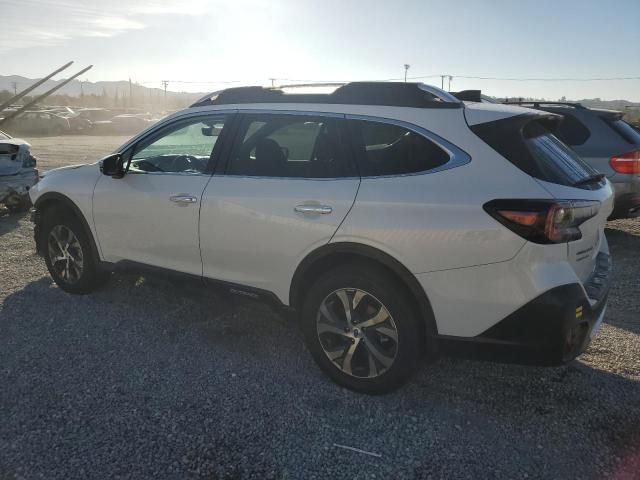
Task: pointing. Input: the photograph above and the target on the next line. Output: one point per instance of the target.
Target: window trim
(457, 156)
(243, 113)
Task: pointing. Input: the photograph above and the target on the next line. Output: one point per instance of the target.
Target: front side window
(387, 149)
(185, 147)
(289, 146)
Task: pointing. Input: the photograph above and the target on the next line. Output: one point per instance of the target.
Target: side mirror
(112, 165)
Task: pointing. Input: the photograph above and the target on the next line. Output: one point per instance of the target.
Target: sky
(204, 45)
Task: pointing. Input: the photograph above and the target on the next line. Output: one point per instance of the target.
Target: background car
(17, 172)
(606, 142)
(40, 123)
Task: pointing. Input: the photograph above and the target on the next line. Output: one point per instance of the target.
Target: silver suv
(607, 143)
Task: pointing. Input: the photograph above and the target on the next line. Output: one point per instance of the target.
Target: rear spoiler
(468, 95)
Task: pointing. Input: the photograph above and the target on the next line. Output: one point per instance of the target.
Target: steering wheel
(182, 163)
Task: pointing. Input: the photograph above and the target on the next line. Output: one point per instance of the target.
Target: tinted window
(553, 160)
(182, 148)
(289, 146)
(387, 149)
(572, 131)
(530, 146)
(626, 131)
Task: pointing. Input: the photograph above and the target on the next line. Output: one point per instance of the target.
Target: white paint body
(244, 230)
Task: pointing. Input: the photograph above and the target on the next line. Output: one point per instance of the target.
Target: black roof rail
(397, 94)
(537, 103)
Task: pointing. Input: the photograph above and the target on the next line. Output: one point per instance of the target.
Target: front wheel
(361, 329)
(68, 254)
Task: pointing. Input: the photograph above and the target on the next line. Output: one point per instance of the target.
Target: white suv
(394, 218)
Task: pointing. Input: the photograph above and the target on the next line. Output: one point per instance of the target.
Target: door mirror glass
(112, 165)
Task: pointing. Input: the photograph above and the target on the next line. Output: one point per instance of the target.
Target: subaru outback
(395, 219)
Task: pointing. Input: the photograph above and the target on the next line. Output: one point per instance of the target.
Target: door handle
(183, 198)
(313, 209)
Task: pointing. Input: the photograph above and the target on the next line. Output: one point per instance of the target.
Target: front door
(287, 186)
(151, 215)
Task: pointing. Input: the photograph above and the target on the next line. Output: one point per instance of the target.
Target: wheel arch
(54, 199)
(332, 254)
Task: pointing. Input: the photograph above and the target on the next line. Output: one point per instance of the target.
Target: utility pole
(165, 83)
(81, 94)
(450, 78)
(442, 81)
(406, 68)
(130, 94)
(272, 82)
(15, 87)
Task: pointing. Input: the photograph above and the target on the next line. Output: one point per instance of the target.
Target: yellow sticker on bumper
(578, 312)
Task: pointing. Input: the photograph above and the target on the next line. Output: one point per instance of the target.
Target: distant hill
(110, 89)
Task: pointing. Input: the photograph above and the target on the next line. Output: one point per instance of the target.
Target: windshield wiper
(590, 179)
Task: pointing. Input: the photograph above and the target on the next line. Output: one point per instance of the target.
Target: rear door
(287, 185)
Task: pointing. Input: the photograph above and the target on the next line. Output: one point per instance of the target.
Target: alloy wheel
(65, 254)
(357, 333)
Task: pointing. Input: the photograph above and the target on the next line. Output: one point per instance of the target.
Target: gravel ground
(148, 378)
(54, 152)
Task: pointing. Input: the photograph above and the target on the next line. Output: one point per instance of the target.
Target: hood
(55, 171)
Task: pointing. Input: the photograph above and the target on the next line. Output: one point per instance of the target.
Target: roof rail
(537, 103)
(398, 94)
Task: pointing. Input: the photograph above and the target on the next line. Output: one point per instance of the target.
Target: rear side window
(623, 129)
(302, 146)
(572, 131)
(386, 149)
(528, 144)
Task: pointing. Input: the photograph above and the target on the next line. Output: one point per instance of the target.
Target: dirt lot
(54, 152)
(152, 379)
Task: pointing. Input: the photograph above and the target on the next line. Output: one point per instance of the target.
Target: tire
(73, 265)
(394, 344)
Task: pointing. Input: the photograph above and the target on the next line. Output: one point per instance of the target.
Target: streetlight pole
(406, 68)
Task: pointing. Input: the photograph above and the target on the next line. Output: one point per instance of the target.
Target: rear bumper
(627, 198)
(552, 329)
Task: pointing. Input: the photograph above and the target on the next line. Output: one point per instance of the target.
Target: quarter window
(387, 149)
(185, 147)
(289, 146)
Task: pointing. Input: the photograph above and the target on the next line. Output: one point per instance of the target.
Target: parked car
(17, 172)
(607, 143)
(395, 219)
(40, 123)
(122, 124)
(94, 114)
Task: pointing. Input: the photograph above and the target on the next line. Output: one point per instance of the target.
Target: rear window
(626, 131)
(528, 144)
(572, 131)
(555, 161)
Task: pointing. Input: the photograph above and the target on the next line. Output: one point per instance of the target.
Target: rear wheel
(361, 329)
(68, 253)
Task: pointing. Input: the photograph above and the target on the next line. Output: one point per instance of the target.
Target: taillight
(626, 162)
(543, 221)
